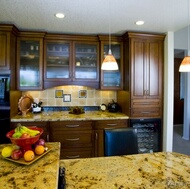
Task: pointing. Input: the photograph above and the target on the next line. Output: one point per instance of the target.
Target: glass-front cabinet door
(85, 61)
(29, 63)
(57, 60)
(112, 80)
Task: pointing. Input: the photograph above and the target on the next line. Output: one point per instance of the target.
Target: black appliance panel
(148, 134)
(4, 89)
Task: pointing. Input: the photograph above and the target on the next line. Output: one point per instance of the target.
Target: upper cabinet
(112, 80)
(29, 61)
(8, 52)
(143, 74)
(71, 60)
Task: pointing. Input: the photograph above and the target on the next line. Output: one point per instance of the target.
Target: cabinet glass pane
(112, 78)
(57, 60)
(85, 61)
(29, 64)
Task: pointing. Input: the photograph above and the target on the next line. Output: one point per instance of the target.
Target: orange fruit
(29, 155)
(39, 150)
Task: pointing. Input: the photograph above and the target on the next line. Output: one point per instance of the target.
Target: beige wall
(94, 97)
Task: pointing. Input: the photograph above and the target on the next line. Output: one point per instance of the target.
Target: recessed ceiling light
(140, 22)
(60, 15)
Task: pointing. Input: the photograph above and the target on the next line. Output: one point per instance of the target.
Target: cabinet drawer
(77, 153)
(76, 139)
(145, 103)
(145, 112)
(111, 123)
(71, 125)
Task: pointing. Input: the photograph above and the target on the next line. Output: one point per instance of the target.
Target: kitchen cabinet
(29, 61)
(8, 52)
(69, 61)
(99, 133)
(76, 138)
(42, 124)
(112, 80)
(143, 74)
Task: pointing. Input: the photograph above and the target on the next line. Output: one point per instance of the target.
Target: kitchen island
(143, 171)
(41, 174)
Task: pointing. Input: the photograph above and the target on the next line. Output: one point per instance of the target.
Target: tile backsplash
(92, 96)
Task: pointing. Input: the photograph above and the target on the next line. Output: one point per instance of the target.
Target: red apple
(16, 154)
(25, 135)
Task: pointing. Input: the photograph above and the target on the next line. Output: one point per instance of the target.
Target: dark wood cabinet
(76, 137)
(42, 124)
(143, 75)
(30, 61)
(8, 52)
(71, 60)
(112, 80)
(99, 133)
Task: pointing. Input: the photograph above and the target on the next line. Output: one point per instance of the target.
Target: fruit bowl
(25, 143)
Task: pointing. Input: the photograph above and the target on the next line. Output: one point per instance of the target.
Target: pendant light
(185, 64)
(109, 62)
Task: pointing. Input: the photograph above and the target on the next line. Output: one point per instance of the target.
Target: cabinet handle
(145, 112)
(72, 157)
(96, 135)
(72, 139)
(111, 124)
(72, 125)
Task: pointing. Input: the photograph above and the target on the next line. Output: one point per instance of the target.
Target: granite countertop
(65, 116)
(42, 173)
(143, 171)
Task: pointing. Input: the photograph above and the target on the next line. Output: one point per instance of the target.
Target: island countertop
(41, 174)
(65, 116)
(162, 170)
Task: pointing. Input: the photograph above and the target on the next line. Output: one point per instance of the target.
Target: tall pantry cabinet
(143, 75)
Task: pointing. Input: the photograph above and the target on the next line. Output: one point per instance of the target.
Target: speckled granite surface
(42, 174)
(65, 116)
(143, 171)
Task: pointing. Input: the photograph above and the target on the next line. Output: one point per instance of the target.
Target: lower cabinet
(79, 139)
(99, 133)
(42, 124)
(76, 138)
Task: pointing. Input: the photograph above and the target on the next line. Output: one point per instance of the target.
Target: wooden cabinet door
(154, 64)
(29, 63)
(112, 80)
(138, 68)
(4, 52)
(146, 68)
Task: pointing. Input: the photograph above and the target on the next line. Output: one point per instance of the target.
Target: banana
(31, 132)
(17, 134)
(19, 130)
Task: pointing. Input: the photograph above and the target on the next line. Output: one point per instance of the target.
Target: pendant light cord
(188, 53)
(109, 30)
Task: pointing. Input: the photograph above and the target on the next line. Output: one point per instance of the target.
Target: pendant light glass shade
(185, 65)
(109, 62)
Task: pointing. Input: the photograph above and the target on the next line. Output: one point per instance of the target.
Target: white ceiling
(95, 16)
